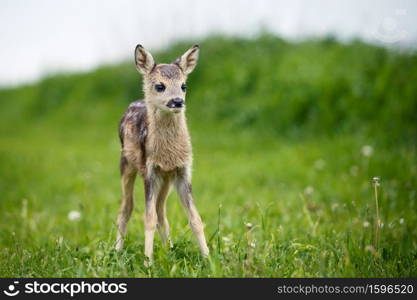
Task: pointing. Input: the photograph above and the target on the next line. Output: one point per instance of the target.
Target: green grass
(278, 132)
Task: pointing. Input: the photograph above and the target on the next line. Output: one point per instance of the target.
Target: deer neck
(168, 139)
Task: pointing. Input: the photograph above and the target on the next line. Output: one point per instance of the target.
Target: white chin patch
(176, 110)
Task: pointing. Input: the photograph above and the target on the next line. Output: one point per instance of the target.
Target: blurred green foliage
(266, 84)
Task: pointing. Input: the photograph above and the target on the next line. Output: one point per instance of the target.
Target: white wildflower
(74, 215)
(366, 224)
(249, 225)
(320, 164)
(225, 239)
(308, 191)
(367, 150)
(371, 249)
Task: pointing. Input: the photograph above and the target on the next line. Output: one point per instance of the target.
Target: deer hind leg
(163, 225)
(128, 174)
(183, 186)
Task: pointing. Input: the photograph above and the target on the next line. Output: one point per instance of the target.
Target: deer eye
(183, 87)
(160, 87)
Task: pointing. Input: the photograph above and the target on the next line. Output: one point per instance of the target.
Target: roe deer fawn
(156, 143)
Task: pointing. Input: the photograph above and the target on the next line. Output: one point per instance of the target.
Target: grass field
(286, 136)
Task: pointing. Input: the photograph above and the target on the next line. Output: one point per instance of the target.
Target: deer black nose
(178, 101)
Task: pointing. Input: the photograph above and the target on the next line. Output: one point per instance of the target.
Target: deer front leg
(183, 186)
(152, 189)
(163, 225)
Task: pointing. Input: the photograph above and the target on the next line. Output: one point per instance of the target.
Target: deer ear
(144, 60)
(188, 60)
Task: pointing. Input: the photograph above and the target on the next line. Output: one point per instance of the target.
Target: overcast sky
(43, 36)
